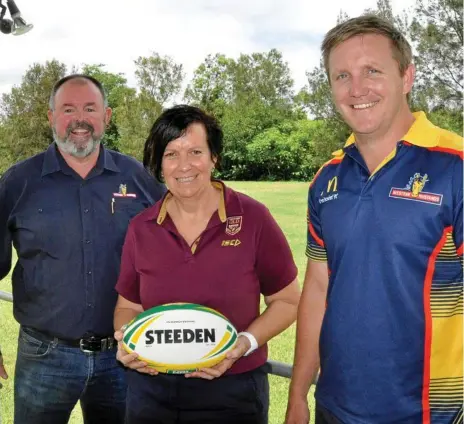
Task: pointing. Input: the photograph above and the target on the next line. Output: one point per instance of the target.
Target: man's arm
(309, 321)
(5, 235)
(3, 373)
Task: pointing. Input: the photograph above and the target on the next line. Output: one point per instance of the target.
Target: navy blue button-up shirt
(68, 233)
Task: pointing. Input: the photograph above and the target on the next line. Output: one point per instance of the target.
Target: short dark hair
(172, 124)
(95, 82)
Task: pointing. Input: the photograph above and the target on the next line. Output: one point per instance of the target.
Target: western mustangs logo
(199, 335)
(233, 225)
(331, 188)
(123, 192)
(414, 191)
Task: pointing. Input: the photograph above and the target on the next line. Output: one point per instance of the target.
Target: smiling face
(79, 118)
(367, 87)
(187, 163)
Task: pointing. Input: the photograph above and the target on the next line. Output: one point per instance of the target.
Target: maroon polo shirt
(241, 254)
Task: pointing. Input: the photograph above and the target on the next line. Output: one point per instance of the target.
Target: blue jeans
(50, 378)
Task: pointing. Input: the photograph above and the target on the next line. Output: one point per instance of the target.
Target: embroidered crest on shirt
(123, 192)
(414, 191)
(233, 225)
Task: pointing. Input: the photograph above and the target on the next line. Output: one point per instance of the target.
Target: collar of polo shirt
(221, 210)
(422, 133)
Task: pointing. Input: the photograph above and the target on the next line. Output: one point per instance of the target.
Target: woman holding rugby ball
(207, 244)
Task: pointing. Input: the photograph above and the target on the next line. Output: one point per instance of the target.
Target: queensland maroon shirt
(241, 254)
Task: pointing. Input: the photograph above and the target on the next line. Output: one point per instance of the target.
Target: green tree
(437, 33)
(116, 89)
(284, 152)
(249, 95)
(134, 117)
(211, 86)
(159, 81)
(23, 112)
(159, 77)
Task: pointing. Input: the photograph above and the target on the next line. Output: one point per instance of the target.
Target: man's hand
(3, 373)
(241, 347)
(297, 412)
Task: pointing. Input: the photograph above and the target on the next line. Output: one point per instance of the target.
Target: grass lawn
(287, 202)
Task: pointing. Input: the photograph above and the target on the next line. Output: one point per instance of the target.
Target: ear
(50, 117)
(108, 113)
(408, 78)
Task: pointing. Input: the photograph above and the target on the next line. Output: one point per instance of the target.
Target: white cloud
(116, 32)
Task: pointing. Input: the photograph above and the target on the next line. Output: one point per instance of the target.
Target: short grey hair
(77, 77)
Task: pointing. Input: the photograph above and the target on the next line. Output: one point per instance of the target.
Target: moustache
(79, 126)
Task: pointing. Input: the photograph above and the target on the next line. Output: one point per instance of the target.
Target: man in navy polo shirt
(381, 311)
(66, 212)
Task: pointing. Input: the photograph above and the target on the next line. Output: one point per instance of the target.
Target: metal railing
(279, 369)
(6, 296)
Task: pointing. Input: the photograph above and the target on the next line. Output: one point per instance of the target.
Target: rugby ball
(178, 338)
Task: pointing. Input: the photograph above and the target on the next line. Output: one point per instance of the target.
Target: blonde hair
(368, 24)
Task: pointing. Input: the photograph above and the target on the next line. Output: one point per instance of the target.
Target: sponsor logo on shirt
(414, 191)
(331, 194)
(332, 185)
(232, 243)
(233, 225)
(328, 198)
(123, 192)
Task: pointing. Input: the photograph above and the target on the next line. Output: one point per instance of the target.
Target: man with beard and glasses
(66, 212)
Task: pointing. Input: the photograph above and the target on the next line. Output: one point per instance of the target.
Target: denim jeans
(51, 378)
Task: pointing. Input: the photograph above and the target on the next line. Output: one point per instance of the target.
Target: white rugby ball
(178, 338)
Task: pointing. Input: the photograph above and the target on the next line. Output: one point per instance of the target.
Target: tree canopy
(272, 130)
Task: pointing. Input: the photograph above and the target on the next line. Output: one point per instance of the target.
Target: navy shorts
(174, 399)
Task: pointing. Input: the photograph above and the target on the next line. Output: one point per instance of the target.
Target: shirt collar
(229, 204)
(422, 133)
(54, 162)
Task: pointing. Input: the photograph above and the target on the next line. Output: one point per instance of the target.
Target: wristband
(252, 340)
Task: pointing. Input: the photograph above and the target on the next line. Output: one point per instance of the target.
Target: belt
(88, 343)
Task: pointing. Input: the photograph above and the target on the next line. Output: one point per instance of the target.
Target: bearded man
(66, 211)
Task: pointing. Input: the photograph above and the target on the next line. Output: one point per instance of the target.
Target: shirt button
(86, 211)
(89, 272)
(40, 210)
(87, 242)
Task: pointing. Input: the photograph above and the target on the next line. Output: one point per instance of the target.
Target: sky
(116, 32)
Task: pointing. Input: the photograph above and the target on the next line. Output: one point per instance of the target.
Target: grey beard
(72, 149)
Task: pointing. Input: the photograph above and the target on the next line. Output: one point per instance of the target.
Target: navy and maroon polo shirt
(391, 344)
(242, 254)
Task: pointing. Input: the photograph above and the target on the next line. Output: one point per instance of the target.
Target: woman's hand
(130, 360)
(241, 347)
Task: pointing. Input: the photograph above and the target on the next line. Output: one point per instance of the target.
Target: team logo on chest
(123, 192)
(233, 225)
(414, 191)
